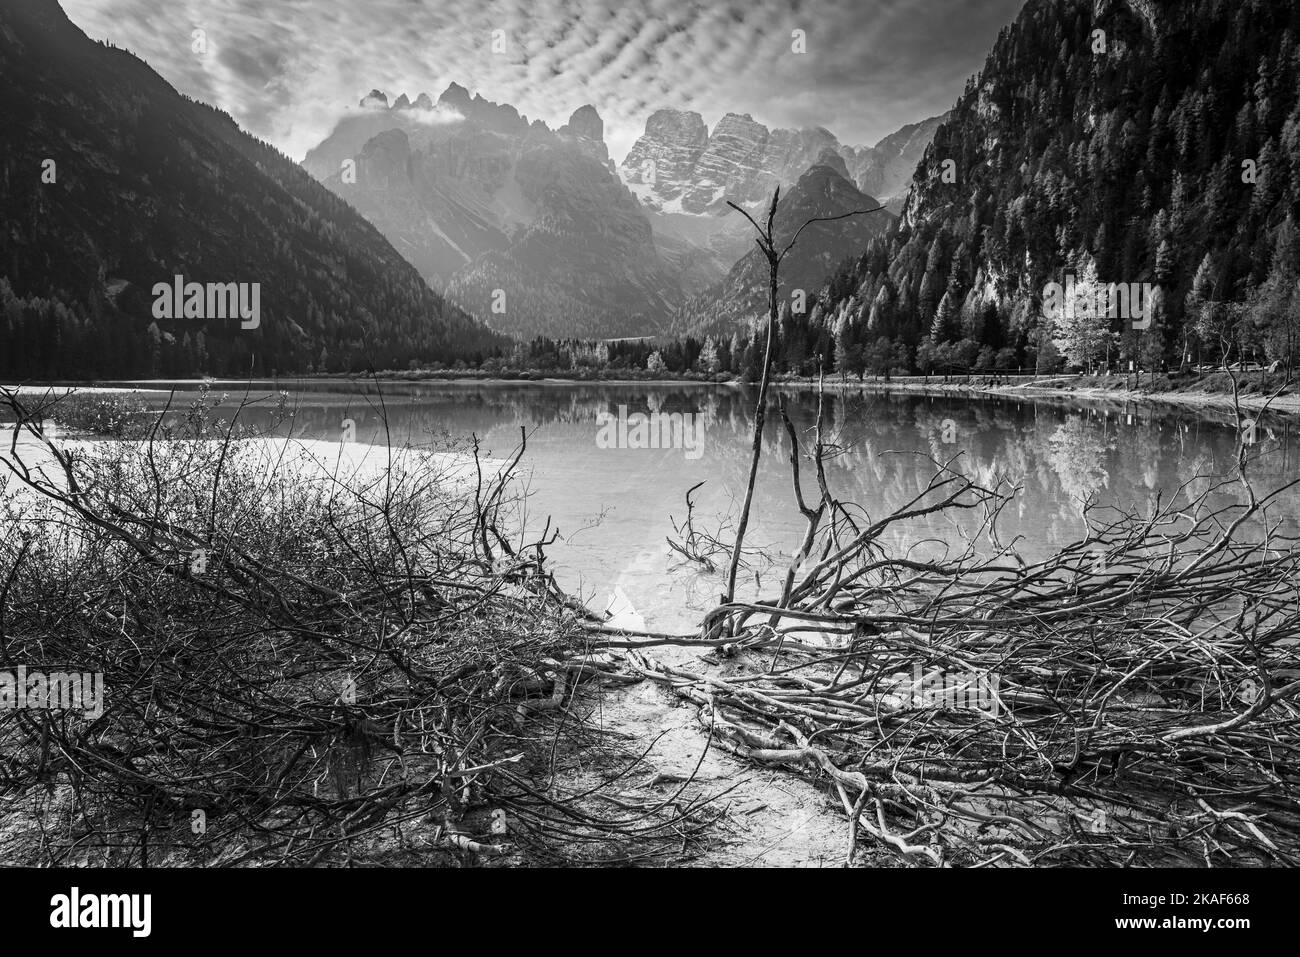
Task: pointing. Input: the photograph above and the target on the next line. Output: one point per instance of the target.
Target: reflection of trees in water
(1058, 450)
(1078, 455)
(414, 412)
(1199, 474)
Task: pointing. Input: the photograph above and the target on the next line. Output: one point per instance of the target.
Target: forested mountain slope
(1148, 141)
(112, 182)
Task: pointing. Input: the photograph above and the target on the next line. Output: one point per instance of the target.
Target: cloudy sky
(287, 69)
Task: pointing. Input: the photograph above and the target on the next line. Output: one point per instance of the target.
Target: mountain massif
(677, 165)
(528, 228)
(684, 177)
(1091, 150)
(113, 183)
(1093, 146)
(537, 232)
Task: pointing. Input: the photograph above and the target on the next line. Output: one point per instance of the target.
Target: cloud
(285, 69)
(438, 116)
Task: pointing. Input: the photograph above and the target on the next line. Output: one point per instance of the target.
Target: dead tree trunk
(767, 243)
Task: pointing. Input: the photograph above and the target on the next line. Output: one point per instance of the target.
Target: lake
(614, 500)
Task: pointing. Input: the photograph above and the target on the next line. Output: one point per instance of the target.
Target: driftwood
(775, 254)
(1129, 699)
(350, 659)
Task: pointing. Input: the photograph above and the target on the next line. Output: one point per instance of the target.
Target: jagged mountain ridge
(885, 170)
(527, 228)
(684, 176)
(678, 166)
(444, 181)
(148, 184)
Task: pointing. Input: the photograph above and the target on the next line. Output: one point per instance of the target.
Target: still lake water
(614, 507)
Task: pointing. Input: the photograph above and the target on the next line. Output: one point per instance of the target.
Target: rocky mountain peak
(829, 158)
(374, 100)
(732, 118)
(586, 126)
(455, 96)
(585, 122)
(664, 157)
(823, 189)
(677, 165)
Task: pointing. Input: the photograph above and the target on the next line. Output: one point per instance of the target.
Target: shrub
(108, 414)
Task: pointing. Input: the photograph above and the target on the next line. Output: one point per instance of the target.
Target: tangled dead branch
(1131, 698)
(362, 657)
(301, 665)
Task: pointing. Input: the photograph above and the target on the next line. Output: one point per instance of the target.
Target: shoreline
(1283, 404)
(1027, 389)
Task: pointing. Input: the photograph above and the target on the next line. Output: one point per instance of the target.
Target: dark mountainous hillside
(1164, 149)
(143, 184)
